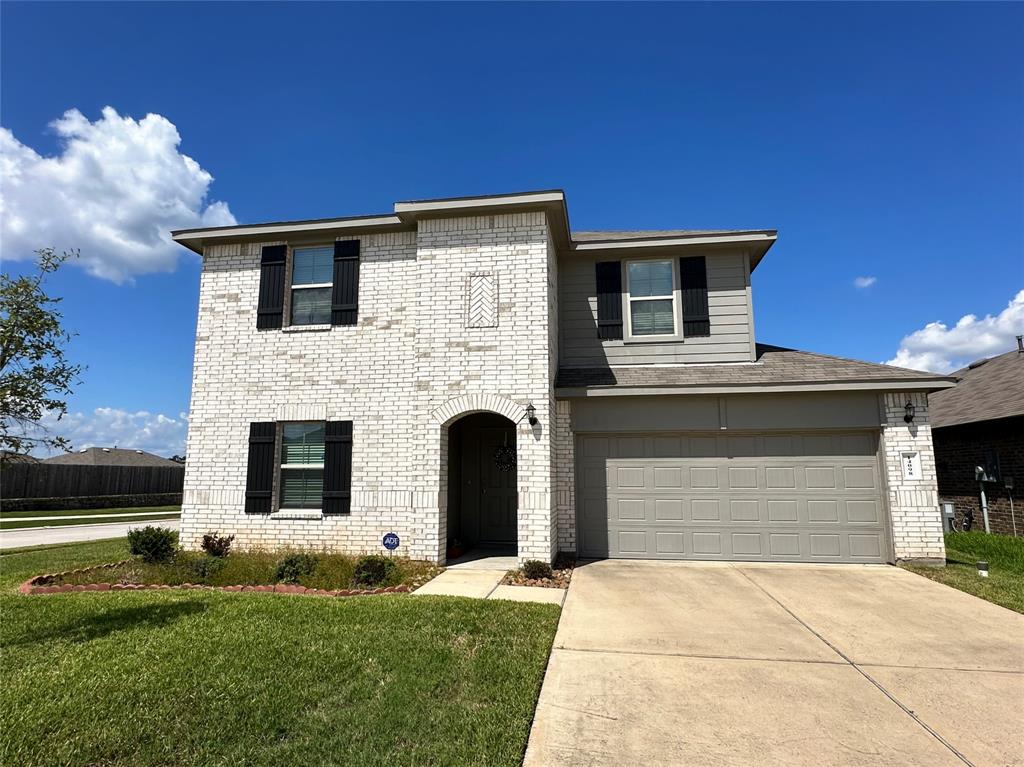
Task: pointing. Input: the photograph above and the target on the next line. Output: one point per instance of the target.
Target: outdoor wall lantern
(911, 409)
(531, 414)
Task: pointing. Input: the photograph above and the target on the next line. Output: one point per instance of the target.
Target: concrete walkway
(44, 536)
(718, 664)
(485, 584)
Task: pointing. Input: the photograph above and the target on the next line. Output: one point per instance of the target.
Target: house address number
(911, 465)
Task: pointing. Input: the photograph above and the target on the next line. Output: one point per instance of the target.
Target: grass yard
(14, 520)
(201, 678)
(1005, 557)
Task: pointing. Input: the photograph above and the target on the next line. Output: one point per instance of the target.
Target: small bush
(372, 570)
(208, 566)
(154, 544)
(217, 545)
(536, 570)
(294, 566)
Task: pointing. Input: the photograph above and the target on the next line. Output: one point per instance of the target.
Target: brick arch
(455, 408)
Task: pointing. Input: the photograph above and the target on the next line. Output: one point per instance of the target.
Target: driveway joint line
(861, 671)
(697, 656)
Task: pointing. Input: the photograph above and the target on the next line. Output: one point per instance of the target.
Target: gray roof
(775, 365)
(989, 389)
(111, 456)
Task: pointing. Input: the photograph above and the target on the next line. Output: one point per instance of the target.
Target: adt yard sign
(390, 541)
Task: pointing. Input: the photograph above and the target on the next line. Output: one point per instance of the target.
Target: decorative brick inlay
(40, 584)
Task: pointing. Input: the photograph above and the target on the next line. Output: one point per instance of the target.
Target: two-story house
(472, 369)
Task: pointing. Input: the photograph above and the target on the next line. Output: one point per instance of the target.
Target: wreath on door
(505, 458)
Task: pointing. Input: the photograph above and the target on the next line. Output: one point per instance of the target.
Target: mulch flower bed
(48, 584)
(561, 575)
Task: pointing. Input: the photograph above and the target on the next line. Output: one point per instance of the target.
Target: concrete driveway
(659, 663)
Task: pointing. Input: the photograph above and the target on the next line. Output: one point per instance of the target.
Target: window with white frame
(651, 291)
(302, 465)
(312, 282)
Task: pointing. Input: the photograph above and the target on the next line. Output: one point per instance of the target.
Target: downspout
(1013, 519)
(984, 507)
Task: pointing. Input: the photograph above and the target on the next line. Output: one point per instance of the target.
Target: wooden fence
(54, 480)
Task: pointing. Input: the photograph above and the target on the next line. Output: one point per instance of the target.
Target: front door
(498, 493)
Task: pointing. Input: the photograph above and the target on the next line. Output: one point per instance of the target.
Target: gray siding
(728, 414)
(731, 338)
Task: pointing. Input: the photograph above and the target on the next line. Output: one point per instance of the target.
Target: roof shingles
(994, 389)
(775, 366)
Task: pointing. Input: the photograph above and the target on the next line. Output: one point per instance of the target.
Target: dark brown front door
(497, 487)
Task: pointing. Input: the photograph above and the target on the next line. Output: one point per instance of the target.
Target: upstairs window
(312, 281)
(302, 464)
(651, 287)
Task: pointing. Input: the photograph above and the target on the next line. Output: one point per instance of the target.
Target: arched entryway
(483, 492)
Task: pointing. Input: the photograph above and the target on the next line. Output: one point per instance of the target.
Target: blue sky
(882, 141)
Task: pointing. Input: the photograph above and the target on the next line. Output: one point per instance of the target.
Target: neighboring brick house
(979, 443)
(471, 369)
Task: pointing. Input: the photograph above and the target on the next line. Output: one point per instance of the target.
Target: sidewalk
(44, 536)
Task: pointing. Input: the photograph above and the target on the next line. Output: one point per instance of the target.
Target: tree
(35, 376)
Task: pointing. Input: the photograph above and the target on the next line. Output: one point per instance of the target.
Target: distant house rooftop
(988, 390)
(110, 456)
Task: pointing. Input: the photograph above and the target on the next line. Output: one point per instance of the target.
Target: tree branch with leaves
(36, 377)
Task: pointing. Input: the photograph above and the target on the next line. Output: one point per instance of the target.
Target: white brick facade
(913, 503)
(410, 354)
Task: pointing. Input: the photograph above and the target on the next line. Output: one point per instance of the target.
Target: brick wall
(959, 449)
(913, 503)
(415, 348)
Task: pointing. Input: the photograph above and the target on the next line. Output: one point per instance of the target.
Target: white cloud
(114, 191)
(941, 349)
(111, 427)
(864, 282)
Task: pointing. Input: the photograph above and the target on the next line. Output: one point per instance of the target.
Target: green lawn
(1005, 557)
(199, 678)
(11, 520)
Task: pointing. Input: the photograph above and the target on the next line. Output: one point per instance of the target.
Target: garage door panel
(707, 543)
(867, 546)
(864, 512)
(704, 478)
(744, 510)
(858, 478)
(742, 477)
(668, 477)
(630, 510)
(669, 510)
(753, 497)
(784, 545)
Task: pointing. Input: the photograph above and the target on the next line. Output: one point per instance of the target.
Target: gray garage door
(779, 497)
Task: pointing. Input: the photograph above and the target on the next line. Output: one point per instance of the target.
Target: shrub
(294, 566)
(217, 545)
(372, 570)
(154, 544)
(207, 566)
(536, 570)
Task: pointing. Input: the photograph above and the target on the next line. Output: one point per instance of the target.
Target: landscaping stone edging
(38, 585)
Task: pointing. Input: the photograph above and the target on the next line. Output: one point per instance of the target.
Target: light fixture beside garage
(910, 409)
(531, 414)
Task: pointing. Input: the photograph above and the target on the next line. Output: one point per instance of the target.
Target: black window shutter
(345, 296)
(609, 299)
(693, 278)
(259, 479)
(271, 302)
(338, 467)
